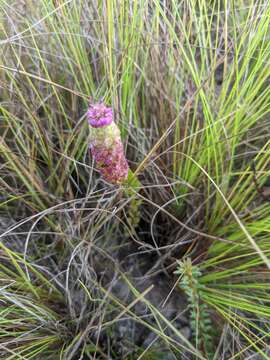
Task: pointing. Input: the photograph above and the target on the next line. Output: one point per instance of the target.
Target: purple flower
(99, 115)
(105, 145)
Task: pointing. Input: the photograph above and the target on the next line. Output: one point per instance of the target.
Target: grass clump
(182, 251)
(30, 312)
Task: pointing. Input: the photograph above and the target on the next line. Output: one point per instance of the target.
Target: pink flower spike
(99, 115)
(105, 144)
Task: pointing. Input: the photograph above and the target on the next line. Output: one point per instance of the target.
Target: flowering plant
(106, 145)
(108, 152)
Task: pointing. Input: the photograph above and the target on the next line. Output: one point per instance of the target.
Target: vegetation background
(179, 269)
